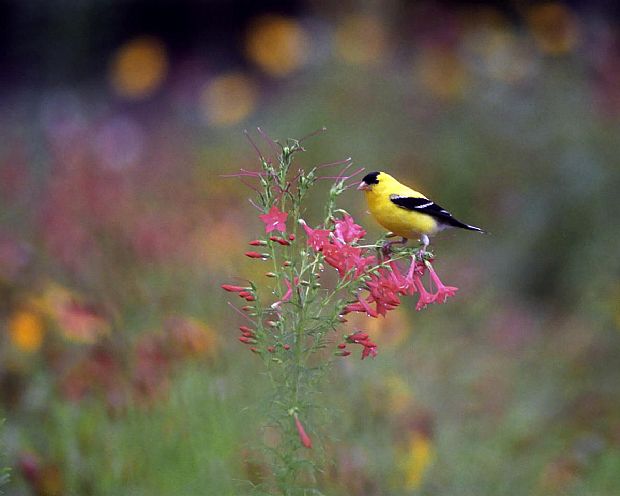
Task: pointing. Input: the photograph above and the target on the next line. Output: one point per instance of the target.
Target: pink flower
(361, 338)
(347, 231)
(287, 295)
(346, 258)
(426, 298)
(369, 351)
(317, 238)
(274, 220)
(443, 291)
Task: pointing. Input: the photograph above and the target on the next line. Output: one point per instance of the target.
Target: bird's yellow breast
(398, 220)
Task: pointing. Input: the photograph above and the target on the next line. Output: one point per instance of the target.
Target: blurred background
(120, 372)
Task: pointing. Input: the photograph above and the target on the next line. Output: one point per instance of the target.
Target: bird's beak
(363, 186)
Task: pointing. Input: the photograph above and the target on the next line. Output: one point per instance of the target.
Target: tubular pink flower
(369, 351)
(317, 238)
(369, 311)
(287, 295)
(443, 291)
(353, 307)
(344, 258)
(274, 220)
(426, 298)
(347, 231)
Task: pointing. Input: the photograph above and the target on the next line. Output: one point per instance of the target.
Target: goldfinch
(404, 211)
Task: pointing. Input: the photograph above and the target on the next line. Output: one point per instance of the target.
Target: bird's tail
(474, 228)
(462, 225)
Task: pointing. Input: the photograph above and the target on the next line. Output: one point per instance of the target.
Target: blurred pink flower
(303, 437)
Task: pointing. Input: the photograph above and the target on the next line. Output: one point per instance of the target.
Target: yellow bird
(404, 211)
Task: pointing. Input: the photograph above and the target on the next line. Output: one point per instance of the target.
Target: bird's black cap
(371, 178)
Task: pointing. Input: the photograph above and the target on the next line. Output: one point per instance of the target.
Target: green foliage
(4, 471)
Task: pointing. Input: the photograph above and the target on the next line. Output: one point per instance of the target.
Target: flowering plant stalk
(292, 318)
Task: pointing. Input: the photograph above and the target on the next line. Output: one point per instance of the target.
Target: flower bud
(247, 340)
(342, 346)
(291, 237)
(271, 274)
(233, 289)
(255, 254)
(258, 242)
(279, 240)
(271, 349)
(357, 337)
(344, 353)
(272, 323)
(245, 328)
(287, 346)
(303, 437)
(288, 263)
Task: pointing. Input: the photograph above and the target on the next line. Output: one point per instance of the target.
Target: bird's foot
(424, 239)
(387, 247)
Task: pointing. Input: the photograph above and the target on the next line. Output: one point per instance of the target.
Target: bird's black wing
(429, 207)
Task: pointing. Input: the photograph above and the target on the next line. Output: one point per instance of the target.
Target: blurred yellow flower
(505, 58)
(191, 337)
(228, 99)
(361, 40)
(399, 395)
(416, 460)
(277, 44)
(139, 67)
(442, 73)
(76, 322)
(26, 330)
(553, 27)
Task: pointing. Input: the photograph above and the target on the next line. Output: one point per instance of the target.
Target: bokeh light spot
(361, 40)
(553, 27)
(139, 67)
(442, 73)
(228, 99)
(277, 44)
(26, 330)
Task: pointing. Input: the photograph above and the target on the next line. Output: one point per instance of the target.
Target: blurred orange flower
(277, 44)
(361, 40)
(26, 330)
(442, 73)
(139, 67)
(228, 99)
(191, 337)
(553, 27)
(76, 321)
